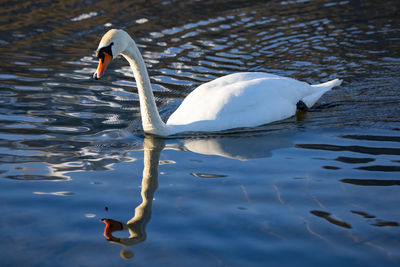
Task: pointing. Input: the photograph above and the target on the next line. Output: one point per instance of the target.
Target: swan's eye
(101, 51)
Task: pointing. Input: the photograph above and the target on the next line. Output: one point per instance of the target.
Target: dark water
(321, 188)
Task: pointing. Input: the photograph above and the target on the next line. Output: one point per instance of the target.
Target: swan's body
(238, 100)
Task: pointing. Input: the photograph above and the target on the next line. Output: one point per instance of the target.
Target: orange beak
(111, 226)
(103, 63)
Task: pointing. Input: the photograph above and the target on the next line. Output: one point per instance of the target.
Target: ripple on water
(207, 175)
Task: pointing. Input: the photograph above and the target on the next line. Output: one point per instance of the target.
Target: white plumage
(247, 99)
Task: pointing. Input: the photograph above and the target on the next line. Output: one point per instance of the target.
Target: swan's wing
(240, 100)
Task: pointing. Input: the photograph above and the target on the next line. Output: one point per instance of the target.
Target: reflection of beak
(103, 63)
(111, 226)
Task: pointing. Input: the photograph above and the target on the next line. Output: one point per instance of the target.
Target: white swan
(238, 100)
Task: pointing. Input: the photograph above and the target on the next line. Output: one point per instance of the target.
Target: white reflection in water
(241, 148)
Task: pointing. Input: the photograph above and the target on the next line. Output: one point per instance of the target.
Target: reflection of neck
(136, 225)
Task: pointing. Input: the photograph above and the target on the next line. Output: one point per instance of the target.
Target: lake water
(318, 189)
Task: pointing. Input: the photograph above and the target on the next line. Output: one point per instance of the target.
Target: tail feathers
(330, 84)
(321, 88)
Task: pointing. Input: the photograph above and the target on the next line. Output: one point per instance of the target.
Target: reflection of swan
(136, 225)
(233, 101)
(242, 147)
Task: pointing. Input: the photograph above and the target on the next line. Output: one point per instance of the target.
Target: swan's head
(111, 45)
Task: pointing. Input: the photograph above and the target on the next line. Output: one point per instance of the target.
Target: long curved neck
(152, 150)
(151, 120)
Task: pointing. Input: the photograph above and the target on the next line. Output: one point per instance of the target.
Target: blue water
(320, 188)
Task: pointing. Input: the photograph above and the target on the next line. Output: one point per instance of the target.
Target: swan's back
(241, 100)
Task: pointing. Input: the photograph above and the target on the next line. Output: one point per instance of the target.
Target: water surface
(320, 188)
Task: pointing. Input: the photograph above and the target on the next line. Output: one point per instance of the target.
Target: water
(320, 188)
